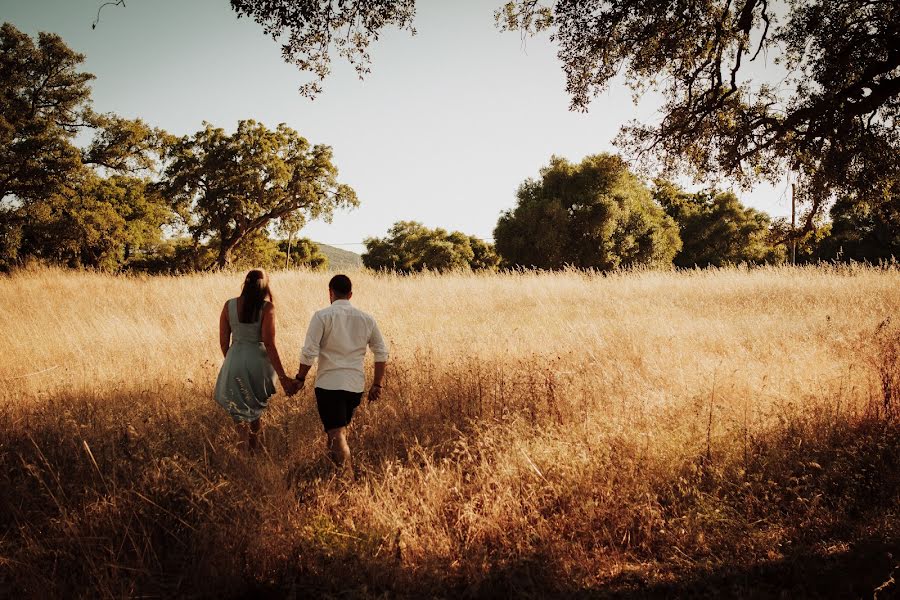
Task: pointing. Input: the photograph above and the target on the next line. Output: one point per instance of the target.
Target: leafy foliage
(303, 252)
(832, 117)
(235, 186)
(54, 205)
(98, 223)
(410, 247)
(174, 255)
(258, 250)
(44, 102)
(311, 31)
(809, 244)
(716, 229)
(595, 214)
(864, 231)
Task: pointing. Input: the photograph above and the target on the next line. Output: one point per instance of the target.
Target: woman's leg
(253, 434)
(243, 432)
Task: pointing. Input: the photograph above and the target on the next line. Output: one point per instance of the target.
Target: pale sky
(443, 130)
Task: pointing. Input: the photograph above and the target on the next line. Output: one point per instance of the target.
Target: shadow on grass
(864, 570)
(122, 495)
(856, 572)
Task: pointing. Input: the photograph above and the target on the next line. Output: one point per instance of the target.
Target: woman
(247, 337)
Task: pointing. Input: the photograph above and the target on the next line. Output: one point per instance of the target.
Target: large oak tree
(232, 186)
(54, 203)
(592, 215)
(410, 247)
(716, 229)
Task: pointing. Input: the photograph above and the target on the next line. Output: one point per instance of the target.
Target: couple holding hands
(337, 336)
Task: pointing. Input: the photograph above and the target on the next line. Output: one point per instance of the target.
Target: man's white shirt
(338, 336)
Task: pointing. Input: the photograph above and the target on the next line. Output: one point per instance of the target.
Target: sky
(443, 131)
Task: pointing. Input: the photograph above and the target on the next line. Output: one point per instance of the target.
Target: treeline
(599, 215)
(135, 197)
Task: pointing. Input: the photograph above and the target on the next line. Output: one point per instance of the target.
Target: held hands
(374, 392)
(291, 386)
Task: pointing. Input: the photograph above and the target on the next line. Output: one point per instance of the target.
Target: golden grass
(540, 433)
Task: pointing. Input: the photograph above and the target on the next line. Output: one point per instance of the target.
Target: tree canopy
(863, 231)
(105, 204)
(97, 222)
(54, 203)
(236, 185)
(716, 229)
(595, 214)
(411, 247)
(44, 102)
(310, 31)
(832, 116)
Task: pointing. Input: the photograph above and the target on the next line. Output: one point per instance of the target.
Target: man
(338, 336)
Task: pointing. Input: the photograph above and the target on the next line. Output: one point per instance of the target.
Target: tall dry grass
(649, 433)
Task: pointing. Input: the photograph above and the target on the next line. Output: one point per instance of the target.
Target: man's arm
(380, 350)
(302, 372)
(311, 347)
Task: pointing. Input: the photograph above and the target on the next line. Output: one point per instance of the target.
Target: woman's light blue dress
(247, 378)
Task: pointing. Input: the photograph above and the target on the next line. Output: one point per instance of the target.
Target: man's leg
(338, 448)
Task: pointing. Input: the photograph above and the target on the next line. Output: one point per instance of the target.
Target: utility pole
(793, 223)
(287, 258)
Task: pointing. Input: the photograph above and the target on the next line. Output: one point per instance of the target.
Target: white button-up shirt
(338, 335)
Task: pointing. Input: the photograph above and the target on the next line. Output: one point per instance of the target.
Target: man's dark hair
(340, 285)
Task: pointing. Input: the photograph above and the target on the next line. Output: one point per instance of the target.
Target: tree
(237, 185)
(595, 214)
(864, 231)
(716, 229)
(411, 247)
(484, 257)
(308, 30)
(44, 103)
(833, 117)
(52, 201)
(96, 222)
(807, 246)
(303, 252)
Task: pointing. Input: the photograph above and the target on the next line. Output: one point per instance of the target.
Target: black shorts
(336, 407)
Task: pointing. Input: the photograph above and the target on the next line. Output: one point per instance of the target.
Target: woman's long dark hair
(254, 293)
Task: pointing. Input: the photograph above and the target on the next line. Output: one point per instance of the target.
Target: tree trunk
(224, 258)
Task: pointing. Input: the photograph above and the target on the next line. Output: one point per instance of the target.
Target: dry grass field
(716, 433)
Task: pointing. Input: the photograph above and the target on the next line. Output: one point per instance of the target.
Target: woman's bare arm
(268, 338)
(224, 330)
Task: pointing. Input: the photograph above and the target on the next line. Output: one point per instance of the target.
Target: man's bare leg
(338, 448)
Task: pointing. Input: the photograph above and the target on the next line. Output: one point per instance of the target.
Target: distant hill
(340, 259)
